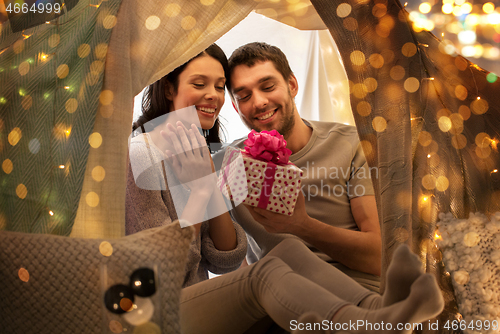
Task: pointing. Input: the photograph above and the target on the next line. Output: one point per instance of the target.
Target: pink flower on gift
(267, 146)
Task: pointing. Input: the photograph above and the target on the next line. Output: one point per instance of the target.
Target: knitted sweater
(149, 204)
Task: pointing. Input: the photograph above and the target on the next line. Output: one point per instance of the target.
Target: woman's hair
(156, 104)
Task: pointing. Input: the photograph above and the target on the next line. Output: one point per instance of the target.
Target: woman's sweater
(149, 203)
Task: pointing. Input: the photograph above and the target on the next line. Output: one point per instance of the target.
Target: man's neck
(299, 136)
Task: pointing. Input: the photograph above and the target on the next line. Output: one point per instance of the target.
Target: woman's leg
(233, 302)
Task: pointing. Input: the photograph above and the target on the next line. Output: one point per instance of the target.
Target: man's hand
(358, 250)
(279, 223)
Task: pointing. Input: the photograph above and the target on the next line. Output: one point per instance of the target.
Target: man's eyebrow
(263, 79)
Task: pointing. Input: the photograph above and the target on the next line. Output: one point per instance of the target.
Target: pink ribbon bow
(267, 146)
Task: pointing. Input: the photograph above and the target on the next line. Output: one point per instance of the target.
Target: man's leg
(404, 269)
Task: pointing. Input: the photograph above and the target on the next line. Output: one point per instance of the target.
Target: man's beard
(286, 124)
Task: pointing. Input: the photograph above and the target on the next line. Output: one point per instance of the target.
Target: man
(336, 212)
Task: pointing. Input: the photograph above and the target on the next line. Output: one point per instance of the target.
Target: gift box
(261, 175)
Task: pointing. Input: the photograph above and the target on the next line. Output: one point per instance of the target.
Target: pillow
(55, 284)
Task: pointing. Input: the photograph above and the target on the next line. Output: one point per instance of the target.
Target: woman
(198, 82)
(287, 283)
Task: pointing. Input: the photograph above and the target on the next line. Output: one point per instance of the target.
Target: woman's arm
(191, 163)
(222, 231)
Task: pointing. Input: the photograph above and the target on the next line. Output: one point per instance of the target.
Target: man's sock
(404, 269)
(424, 302)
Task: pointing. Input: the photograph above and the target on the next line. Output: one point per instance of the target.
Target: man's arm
(359, 250)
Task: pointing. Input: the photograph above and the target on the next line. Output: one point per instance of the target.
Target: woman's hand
(190, 158)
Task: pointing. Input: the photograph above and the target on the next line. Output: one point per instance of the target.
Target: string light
(43, 56)
(61, 131)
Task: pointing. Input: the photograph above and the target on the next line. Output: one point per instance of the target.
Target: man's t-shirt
(335, 171)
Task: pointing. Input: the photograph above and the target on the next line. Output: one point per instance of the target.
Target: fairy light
(437, 236)
(472, 21)
(51, 212)
(494, 171)
(66, 87)
(61, 166)
(428, 155)
(494, 143)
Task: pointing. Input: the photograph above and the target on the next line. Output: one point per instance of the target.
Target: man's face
(264, 98)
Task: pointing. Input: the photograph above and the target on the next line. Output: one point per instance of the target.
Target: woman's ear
(169, 91)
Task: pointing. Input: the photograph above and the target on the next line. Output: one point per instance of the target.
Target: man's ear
(293, 85)
(169, 91)
(233, 102)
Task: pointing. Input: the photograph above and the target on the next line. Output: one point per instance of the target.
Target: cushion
(56, 284)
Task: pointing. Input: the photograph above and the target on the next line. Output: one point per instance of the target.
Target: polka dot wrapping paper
(243, 179)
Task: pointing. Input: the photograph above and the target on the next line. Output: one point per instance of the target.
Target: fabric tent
(428, 119)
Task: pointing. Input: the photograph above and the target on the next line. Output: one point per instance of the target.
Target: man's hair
(251, 53)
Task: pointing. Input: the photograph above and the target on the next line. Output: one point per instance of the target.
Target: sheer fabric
(428, 120)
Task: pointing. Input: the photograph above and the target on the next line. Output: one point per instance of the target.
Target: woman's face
(201, 84)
